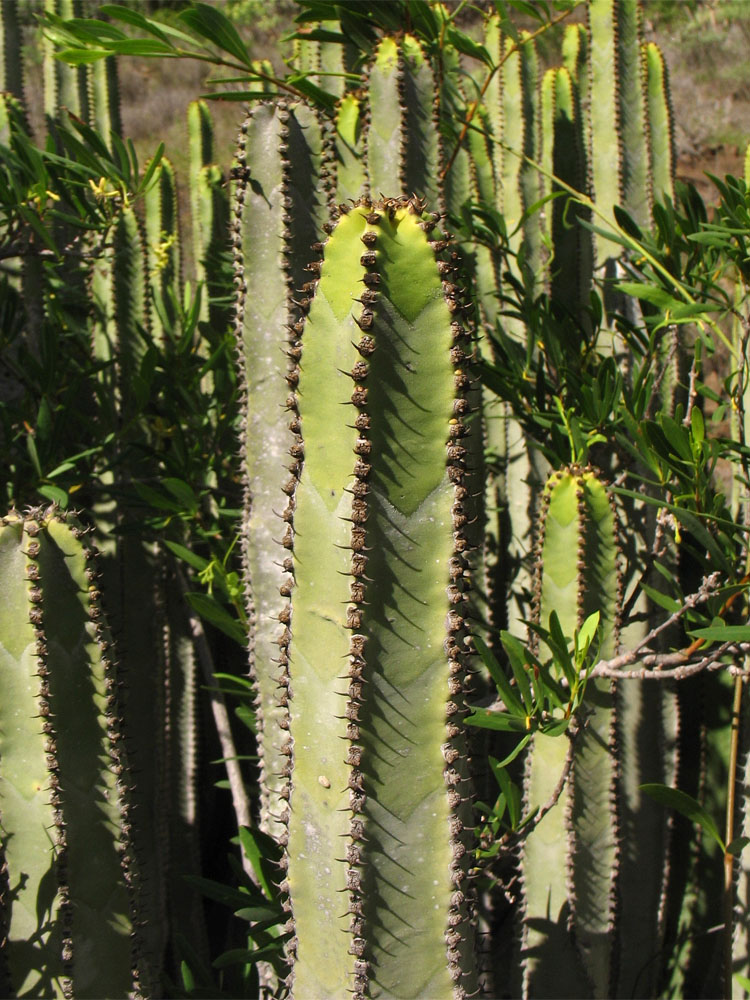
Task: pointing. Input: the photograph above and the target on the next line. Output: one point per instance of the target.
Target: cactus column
(65, 905)
(378, 791)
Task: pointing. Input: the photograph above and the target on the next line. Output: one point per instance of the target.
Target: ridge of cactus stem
(606, 155)
(369, 620)
(660, 123)
(349, 141)
(632, 131)
(266, 327)
(569, 862)
(385, 156)
(421, 166)
(63, 797)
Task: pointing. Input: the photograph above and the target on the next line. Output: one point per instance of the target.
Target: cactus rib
(376, 623)
(65, 817)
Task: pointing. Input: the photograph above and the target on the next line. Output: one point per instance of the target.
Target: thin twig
(472, 108)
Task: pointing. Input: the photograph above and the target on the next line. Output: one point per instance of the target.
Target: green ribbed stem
(569, 861)
(163, 250)
(62, 766)
(273, 183)
(660, 122)
(373, 544)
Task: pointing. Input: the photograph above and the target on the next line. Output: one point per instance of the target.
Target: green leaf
(210, 609)
(509, 696)
(509, 789)
(587, 632)
(514, 753)
(255, 913)
(225, 894)
(252, 845)
(723, 633)
(737, 846)
(518, 658)
(198, 562)
(238, 956)
(210, 23)
(685, 804)
(135, 19)
(55, 494)
(486, 719)
(182, 492)
(468, 46)
(556, 728)
(81, 57)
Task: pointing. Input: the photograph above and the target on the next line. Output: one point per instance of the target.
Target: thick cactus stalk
(421, 167)
(200, 145)
(11, 66)
(351, 173)
(64, 85)
(604, 114)
(660, 123)
(104, 98)
(68, 880)
(384, 155)
(571, 264)
(278, 171)
(374, 648)
(569, 861)
(163, 250)
(402, 140)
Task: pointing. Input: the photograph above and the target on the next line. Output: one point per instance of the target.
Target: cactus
(569, 862)
(369, 645)
(11, 67)
(163, 250)
(64, 85)
(66, 851)
(104, 98)
(269, 185)
(660, 124)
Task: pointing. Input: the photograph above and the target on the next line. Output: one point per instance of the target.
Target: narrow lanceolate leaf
(569, 861)
(273, 290)
(377, 627)
(62, 805)
(660, 123)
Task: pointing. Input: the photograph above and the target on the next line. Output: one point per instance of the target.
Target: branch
(475, 104)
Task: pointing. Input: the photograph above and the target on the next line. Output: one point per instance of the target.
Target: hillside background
(705, 43)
